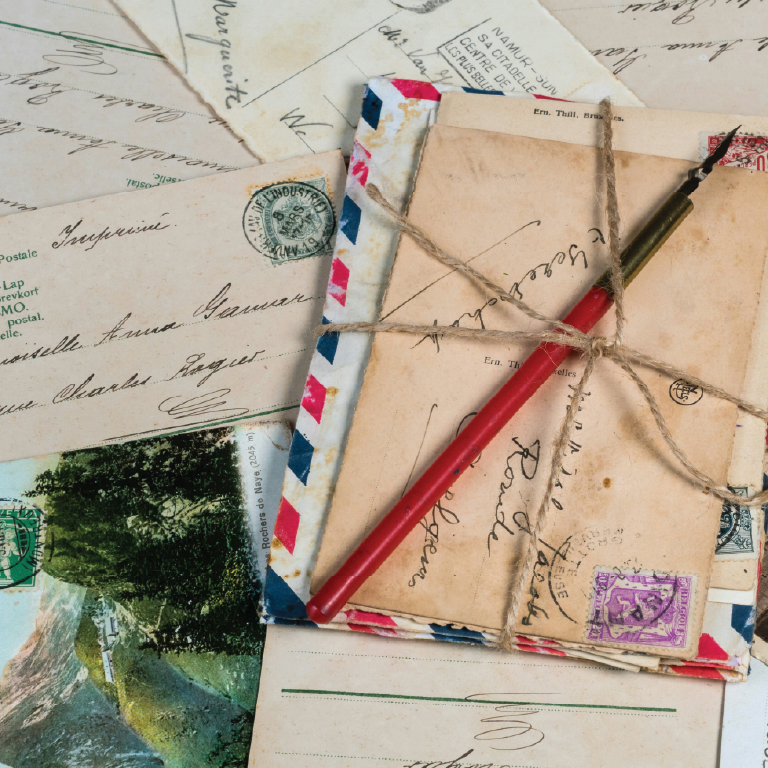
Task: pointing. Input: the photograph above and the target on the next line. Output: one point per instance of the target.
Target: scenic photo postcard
(129, 589)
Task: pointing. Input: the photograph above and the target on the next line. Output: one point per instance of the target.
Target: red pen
(498, 411)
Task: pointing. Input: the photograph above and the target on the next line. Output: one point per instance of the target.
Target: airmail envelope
(166, 309)
(627, 529)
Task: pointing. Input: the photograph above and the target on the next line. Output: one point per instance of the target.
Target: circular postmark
(289, 221)
(581, 548)
(22, 543)
(735, 535)
(685, 393)
(557, 569)
(730, 519)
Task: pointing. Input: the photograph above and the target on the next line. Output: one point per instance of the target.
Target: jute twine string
(592, 347)
(614, 219)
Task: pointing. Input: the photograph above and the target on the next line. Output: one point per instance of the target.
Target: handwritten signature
(215, 307)
(86, 55)
(508, 727)
(508, 731)
(201, 405)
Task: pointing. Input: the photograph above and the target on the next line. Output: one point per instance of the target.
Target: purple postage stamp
(645, 608)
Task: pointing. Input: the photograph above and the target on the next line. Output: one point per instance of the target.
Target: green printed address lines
(473, 701)
(84, 39)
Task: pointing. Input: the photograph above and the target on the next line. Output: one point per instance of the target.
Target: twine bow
(593, 348)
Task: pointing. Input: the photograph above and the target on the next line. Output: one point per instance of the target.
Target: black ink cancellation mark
(289, 221)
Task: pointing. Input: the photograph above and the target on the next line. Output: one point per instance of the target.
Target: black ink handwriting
(508, 727)
(688, 7)
(7, 410)
(119, 331)
(629, 57)
(80, 391)
(154, 113)
(65, 345)
(192, 366)
(294, 122)
(417, 56)
(69, 238)
(476, 315)
(211, 309)
(431, 526)
(201, 405)
(529, 463)
(44, 91)
(574, 255)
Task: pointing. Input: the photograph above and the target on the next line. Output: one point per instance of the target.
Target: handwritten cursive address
(193, 366)
(84, 390)
(529, 463)
(431, 525)
(215, 309)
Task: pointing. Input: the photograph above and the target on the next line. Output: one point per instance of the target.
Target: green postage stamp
(21, 543)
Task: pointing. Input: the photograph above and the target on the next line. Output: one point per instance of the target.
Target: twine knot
(600, 345)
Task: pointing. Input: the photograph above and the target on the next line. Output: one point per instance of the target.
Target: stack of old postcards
(204, 186)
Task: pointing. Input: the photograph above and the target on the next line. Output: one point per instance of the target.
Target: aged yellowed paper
(686, 136)
(526, 213)
(183, 306)
(686, 54)
(287, 100)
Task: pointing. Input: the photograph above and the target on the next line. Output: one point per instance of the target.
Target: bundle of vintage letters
(509, 185)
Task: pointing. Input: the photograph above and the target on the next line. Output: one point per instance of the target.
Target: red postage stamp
(744, 152)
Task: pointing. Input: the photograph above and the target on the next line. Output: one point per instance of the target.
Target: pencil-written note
(137, 314)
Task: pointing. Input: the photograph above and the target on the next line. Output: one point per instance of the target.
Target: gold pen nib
(666, 219)
(697, 175)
